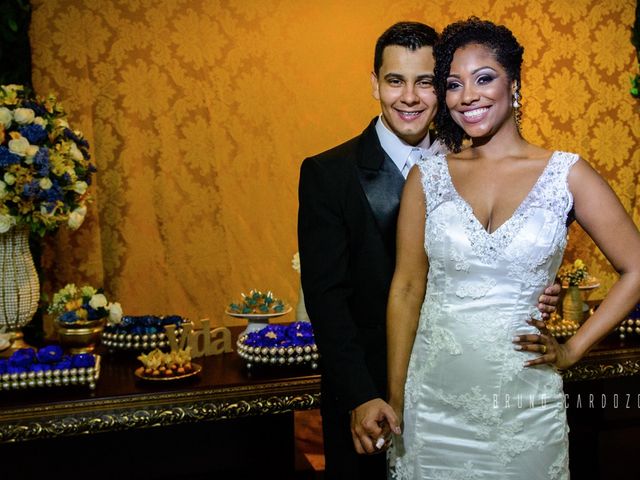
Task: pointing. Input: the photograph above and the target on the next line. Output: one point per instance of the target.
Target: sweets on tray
(257, 302)
(166, 364)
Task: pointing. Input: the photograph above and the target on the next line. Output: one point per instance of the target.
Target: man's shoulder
(347, 152)
(338, 153)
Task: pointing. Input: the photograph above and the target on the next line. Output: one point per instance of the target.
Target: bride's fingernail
(517, 347)
(516, 339)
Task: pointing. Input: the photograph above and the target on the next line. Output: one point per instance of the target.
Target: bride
(473, 371)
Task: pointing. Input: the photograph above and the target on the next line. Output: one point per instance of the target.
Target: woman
(471, 366)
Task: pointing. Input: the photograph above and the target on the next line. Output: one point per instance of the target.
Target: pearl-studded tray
(66, 377)
(124, 337)
(278, 356)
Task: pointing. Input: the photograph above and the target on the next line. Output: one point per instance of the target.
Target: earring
(516, 96)
(517, 113)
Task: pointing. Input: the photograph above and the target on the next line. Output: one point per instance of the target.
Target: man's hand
(548, 300)
(371, 426)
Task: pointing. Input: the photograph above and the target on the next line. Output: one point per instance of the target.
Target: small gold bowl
(80, 337)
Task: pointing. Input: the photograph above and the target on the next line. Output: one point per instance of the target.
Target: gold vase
(572, 305)
(19, 285)
(80, 337)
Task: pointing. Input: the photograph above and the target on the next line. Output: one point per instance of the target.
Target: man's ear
(375, 86)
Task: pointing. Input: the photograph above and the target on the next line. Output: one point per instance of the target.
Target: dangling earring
(516, 104)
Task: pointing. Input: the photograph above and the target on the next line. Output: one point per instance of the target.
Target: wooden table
(218, 421)
(205, 425)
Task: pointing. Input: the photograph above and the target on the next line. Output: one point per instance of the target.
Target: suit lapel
(382, 184)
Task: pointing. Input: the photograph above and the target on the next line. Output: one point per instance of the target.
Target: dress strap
(552, 190)
(433, 175)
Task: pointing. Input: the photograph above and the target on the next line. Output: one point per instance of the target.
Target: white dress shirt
(401, 152)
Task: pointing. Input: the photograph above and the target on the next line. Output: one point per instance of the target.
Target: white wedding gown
(472, 410)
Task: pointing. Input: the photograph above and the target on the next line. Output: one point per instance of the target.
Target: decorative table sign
(204, 341)
(48, 367)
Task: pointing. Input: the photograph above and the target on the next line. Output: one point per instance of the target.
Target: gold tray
(139, 372)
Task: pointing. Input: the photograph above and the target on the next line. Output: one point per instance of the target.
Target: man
(349, 198)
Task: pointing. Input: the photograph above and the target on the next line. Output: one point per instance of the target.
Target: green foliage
(15, 49)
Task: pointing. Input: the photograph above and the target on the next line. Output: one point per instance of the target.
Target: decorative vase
(572, 305)
(80, 337)
(19, 285)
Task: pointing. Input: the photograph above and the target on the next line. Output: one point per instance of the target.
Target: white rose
(45, 183)
(98, 301)
(19, 146)
(24, 116)
(75, 152)
(76, 218)
(5, 117)
(9, 178)
(40, 121)
(3, 189)
(6, 222)
(80, 187)
(115, 312)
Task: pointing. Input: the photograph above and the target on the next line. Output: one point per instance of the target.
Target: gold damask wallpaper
(199, 113)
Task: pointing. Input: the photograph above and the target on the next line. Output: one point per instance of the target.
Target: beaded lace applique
(439, 188)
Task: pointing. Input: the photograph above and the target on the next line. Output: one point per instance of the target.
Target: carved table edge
(157, 415)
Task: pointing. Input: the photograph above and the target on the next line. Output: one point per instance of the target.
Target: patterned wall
(199, 113)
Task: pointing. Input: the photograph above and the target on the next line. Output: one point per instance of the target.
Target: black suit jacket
(349, 198)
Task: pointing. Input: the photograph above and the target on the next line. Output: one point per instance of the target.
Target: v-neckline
(513, 215)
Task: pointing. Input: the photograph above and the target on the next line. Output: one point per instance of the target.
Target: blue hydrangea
(7, 158)
(41, 160)
(35, 134)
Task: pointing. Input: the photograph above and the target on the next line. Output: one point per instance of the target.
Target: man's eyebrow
(419, 77)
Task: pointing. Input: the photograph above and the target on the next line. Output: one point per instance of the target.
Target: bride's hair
(498, 38)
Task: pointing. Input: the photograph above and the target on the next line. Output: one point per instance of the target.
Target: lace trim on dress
(439, 340)
(489, 340)
(438, 187)
(467, 472)
(475, 288)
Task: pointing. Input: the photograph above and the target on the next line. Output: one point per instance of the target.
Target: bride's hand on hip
(546, 345)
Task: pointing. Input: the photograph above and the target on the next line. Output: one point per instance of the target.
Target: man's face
(404, 87)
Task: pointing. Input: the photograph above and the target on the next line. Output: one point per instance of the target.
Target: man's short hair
(411, 35)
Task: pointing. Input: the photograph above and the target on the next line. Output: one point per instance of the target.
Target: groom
(348, 206)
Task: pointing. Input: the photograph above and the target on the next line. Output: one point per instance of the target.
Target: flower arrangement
(575, 274)
(82, 305)
(45, 170)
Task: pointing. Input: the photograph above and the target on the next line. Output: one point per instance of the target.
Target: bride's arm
(602, 216)
(407, 287)
(600, 213)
